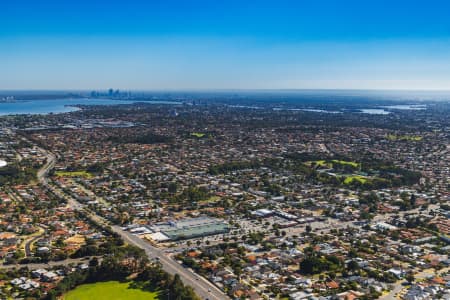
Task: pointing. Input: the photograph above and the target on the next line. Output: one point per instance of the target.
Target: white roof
(159, 237)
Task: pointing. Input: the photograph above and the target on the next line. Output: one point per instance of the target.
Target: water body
(407, 107)
(245, 106)
(41, 107)
(374, 111)
(309, 110)
(384, 110)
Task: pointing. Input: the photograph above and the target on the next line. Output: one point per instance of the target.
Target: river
(21, 107)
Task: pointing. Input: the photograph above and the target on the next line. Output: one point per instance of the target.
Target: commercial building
(192, 228)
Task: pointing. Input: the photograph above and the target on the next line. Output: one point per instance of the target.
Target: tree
(352, 266)
(366, 216)
(410, 277)
(308, 228)
(172, 188)
(93, 262)
(60, 242)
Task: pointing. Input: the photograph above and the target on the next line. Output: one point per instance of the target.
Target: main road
(51, 159)
(202, 287)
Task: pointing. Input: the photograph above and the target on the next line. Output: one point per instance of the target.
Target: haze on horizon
(157, 45)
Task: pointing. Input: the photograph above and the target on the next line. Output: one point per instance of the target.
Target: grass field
(84, 174)
(319, 163)
(198, 134)
(110, 290)
(344, 162)
(350, 179)
(412, 138)
(211, 199)
(329, 164)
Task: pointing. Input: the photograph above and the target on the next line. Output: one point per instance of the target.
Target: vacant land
(110, 290)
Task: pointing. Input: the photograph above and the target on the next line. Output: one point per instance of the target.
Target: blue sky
(229, 44)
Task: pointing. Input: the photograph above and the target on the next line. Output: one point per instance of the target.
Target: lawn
(110, 290)
(84, 174)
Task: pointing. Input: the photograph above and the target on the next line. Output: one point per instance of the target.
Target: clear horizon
(201, 45)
